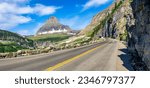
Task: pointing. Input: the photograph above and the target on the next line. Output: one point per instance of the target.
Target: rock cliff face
(127, 20)
(53, 26)
(119, 21)
(139, 35)
(112, 22)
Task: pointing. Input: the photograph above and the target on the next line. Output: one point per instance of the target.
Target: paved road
(97, 57)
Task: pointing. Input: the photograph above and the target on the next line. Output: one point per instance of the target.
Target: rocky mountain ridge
(52, 25)
(127, 20)
(112, 21)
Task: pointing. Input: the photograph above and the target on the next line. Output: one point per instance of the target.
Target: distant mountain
(52, 26)
(13, 41)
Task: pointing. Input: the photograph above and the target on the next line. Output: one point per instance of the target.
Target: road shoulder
(123, 59)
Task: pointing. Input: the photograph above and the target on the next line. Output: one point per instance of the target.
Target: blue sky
(27, 16)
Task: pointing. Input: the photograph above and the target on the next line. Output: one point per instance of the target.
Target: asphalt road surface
(97, 57)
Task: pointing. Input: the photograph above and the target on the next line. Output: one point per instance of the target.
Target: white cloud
(39, 9)
(24, 10)
(12, 12)
(45, 10)
(8, 21)
(15, 1)
(11, 15)
(94, 3)
(6, 8)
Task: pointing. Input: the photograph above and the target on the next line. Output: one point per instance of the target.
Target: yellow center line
(70, 60)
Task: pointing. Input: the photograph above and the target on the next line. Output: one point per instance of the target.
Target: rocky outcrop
(53, 26)
(95, 21)
(112, 22)
(121, 19)
(127, 20)
(139, 35)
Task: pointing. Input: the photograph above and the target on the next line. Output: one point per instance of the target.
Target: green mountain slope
(11, 42)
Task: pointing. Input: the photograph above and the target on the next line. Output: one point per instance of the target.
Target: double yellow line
(70, 60)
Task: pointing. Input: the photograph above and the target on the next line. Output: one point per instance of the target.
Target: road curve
(96, 57)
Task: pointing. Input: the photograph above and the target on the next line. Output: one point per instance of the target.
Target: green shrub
(123, 37)
(10, 48)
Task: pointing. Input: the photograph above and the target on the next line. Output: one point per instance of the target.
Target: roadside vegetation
(12, 42)
(10, 47)
(123, 37)
(72, 42)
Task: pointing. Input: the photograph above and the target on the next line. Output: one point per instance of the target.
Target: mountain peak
(52, 21)
(52, 25)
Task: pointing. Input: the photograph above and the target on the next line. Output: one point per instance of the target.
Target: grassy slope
(9, 47)
(12, 42)
(50, 37)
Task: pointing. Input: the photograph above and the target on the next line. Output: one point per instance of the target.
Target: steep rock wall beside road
(127, 20)
(112, 22)
(139, 35)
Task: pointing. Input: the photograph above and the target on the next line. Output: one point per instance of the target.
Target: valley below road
(110, 55)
